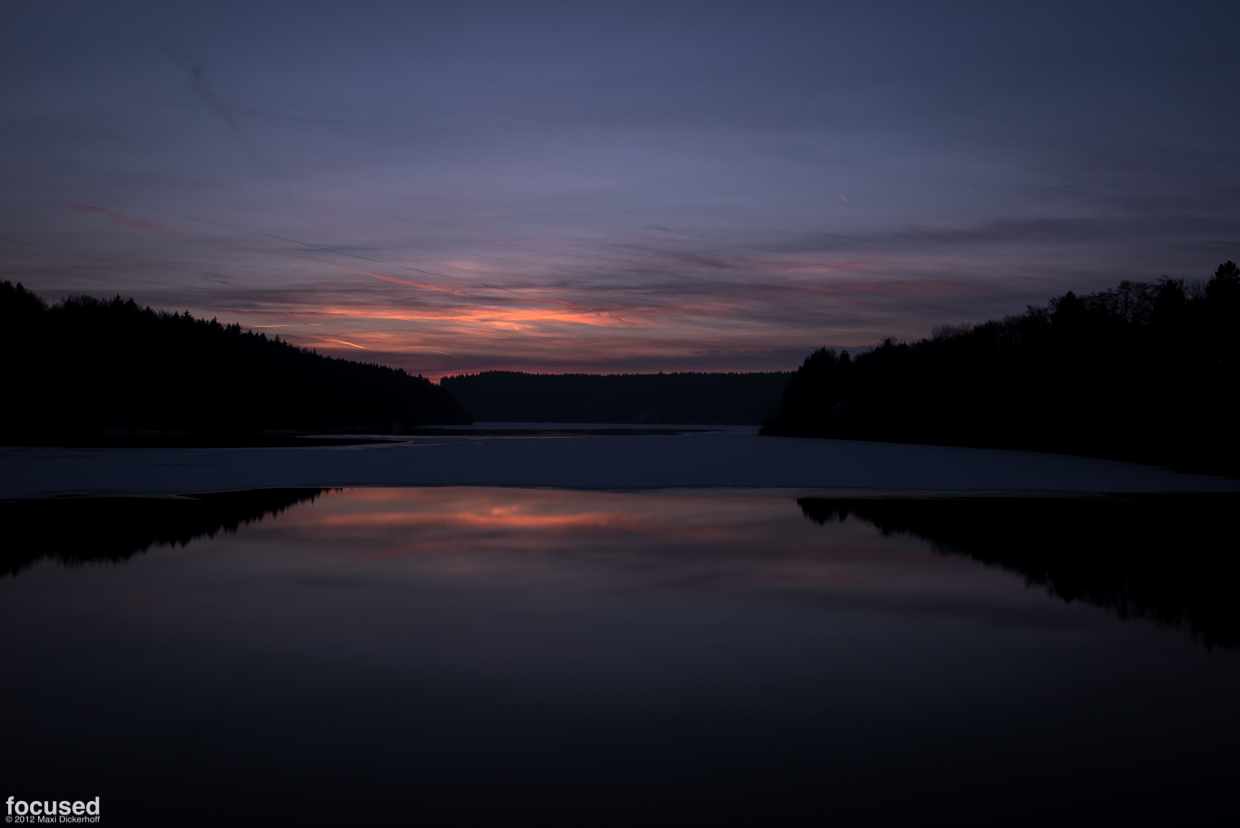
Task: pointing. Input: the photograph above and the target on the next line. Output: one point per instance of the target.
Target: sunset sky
(452, 187)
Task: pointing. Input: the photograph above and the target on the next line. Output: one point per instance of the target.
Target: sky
(606, 187)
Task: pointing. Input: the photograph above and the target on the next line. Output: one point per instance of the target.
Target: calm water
(415, 656)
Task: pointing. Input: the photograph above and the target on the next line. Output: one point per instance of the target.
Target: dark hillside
(85, 365)
(677, 399)
(1145, 372)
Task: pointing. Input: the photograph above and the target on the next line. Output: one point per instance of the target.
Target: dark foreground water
(432, 656)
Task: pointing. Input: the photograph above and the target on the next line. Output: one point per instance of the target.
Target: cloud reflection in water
(495, 652)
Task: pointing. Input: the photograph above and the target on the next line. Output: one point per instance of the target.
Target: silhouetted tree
(1224, 285)
(84, 365)
(1144, 371)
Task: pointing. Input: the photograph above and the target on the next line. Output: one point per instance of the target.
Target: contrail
(841, 195)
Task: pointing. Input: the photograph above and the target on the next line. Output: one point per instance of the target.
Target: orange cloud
(652, 308)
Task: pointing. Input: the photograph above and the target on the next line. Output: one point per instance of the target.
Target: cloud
(122, 220)
(446, 190)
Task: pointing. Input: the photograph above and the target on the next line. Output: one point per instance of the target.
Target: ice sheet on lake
(716, 459)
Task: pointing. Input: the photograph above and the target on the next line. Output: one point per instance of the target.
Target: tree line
(1146, 371)
(84, 365)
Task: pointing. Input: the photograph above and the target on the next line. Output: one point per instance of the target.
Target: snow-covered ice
(730, 459)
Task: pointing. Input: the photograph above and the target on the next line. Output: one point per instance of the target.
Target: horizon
(569, 188)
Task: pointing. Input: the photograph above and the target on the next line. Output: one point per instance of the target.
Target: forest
(1145, 371)
(674, 399)
(84, 366)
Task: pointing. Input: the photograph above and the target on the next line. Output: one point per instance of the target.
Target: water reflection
(1170, 558)
(1167, 558)
(403, 656)
(97, 529)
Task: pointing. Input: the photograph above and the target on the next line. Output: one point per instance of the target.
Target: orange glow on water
(535, 511)
(466, 531)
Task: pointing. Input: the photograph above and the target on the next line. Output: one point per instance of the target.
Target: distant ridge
(676, 399)
(83, 366)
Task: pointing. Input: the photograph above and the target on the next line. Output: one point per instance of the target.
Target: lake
(414, 655)
(443, 653)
